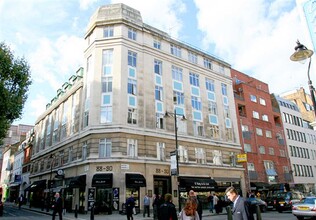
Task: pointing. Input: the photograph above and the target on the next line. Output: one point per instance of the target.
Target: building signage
(91, 194)
(116, 198)
(173, 163)
(124, 166)
(197, 183)
(241, 158)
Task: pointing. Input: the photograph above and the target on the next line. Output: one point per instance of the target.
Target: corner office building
(108, 129)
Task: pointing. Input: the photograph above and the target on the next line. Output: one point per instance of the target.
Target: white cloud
(85, 4)
(53, 62)
(38, 105)
(161, 14)
(256, 37)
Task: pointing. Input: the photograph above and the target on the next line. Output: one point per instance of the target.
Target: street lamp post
(301, 54)
(175, 115)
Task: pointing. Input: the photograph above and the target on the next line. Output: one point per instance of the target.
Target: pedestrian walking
(146, 206)
(196, 202)
(240, 210)
(21, 200)
(210, 199)
(57, 207)
(130, 206)
(167, 211)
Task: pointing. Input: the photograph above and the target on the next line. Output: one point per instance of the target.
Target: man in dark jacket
(130, 205)
(57, 206)
(167, 211)
(240, 210)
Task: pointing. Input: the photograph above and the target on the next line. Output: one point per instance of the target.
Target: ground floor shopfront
(106, 186)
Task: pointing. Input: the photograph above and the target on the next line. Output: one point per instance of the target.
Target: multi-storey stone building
(301, 143)
(109, 130)
(261, 133)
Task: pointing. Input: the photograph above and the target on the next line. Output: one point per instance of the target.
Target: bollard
(258, 213)
(92, 213)
(76, 211)
(229, 213)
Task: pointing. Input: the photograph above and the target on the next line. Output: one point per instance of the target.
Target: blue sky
(256, 37)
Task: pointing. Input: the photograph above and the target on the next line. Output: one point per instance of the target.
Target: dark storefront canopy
(102, 180)
(39, 184)
(78, 181)
(198, 184)
(135, 180)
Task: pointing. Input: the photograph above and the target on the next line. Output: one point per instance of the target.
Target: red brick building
(261, 133)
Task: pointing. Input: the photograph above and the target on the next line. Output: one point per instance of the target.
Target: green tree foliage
(15, 80)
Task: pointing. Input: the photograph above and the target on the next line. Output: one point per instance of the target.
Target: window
(132, 59)
(105, 148)
(282, 153)
(70, 154)
(194, 79)
(158, 93)
(262, 150)
(253, 98)
(84, 150)
(132, 33)
(158, 67)
(132, 148)
(106, 84)
(265, 118)
(228, 123)
(268, 165)
(259, 131)
(193, 57)
(132, 116)
(107, 62)
(132, 86)
(200, 155)
(157, 44)
(177, 73)
(161, 151)
(271, 150)
(108, 31)
(268, 134)
(209, 83)
(196, 103)
(175, 50)
(207, 63)
(262, 101)
(64, 121)
(159, 120)
(255, 114)
(212, 107)
(251, 167)
(247, 148)
(106, 114)
(198, 128)
(244, 128)
(224, 89)
(183, 154)
(179, 98)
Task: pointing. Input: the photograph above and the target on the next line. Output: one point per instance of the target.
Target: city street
(11, 212)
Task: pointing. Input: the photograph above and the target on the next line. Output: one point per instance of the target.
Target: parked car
(253, 202)
(271, 201)
(285, 200)
(306, 208)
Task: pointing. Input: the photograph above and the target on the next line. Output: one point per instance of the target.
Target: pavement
(113, 216)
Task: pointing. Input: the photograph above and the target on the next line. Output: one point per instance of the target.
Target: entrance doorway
(162, 185)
